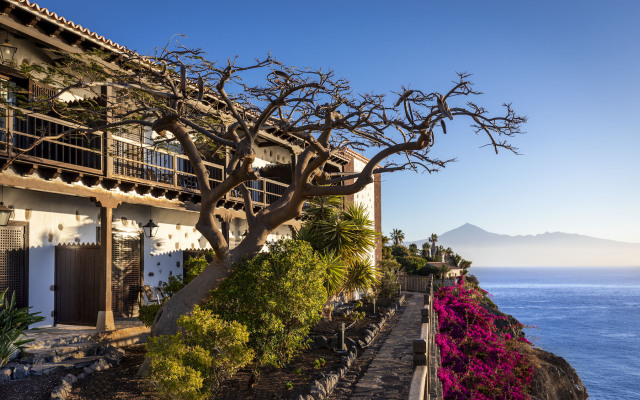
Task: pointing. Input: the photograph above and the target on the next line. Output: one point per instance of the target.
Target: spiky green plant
(342, 237)
(13, 322)
(361, 276)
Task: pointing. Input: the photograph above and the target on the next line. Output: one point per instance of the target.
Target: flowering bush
(478, 362)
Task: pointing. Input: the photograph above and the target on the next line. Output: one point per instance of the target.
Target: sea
(590, 316)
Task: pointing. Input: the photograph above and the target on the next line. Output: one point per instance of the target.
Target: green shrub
(278, 296)
(174, 285)
(193, 267)
(193, 363)
(13, 321)
(147, 313)
(388, 285)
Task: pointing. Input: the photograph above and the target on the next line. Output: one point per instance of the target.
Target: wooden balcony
(115, 159)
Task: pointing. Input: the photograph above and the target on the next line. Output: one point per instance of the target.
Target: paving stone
(389, 374)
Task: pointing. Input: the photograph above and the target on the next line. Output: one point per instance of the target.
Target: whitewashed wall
(54, 219)
(366, 197)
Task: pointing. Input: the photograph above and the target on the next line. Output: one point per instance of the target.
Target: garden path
(390, 372)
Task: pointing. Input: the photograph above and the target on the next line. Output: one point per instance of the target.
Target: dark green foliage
(193, 266)
(412, 265)
(278, 296)
(413, 249)
(388, 285)
(13, 321)
(147, 313)
(399, 251)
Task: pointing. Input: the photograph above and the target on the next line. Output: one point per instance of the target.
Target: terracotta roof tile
(70, 24)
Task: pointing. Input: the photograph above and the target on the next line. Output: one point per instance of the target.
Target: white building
(51, 252)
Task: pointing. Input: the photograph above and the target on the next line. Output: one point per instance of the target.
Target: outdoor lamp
(5, 214)
(7, 52)
(150, 229)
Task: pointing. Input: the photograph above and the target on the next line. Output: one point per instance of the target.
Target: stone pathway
(389, 373)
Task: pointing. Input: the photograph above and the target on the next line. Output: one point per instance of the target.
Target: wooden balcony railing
(127, 160)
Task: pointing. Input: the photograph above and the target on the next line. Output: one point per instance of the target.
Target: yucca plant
(13, 322)
(361, 276)
(344, 238)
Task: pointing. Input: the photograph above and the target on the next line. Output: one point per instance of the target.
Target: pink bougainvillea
(478, 362)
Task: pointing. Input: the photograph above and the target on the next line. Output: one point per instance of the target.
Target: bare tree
(192, 101)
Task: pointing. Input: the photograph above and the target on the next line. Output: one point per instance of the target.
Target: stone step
(60, 353)
(61, 341)
(48, 368)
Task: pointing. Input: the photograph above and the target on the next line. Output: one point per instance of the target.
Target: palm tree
(344, 238)
(413, 249)
(433, 239)
(426, 249)
(397, 236)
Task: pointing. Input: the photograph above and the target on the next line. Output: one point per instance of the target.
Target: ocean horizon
(586, 315)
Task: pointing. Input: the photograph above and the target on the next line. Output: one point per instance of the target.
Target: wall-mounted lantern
(5, 214)
(7, 52)
(150, 229)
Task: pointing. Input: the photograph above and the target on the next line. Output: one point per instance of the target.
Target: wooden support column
(104, 320)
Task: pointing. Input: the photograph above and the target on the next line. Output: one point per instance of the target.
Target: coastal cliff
(553, 377)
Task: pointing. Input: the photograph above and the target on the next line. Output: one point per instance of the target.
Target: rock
(100, 365)
(21, 371)
(61, 392)
(350, 343)
(368, 336)
(70, 379)
(553, 377)
(5, 375)
(318, 391)
(87, 371)
(330, 382)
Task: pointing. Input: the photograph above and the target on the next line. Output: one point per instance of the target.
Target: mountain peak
(467, 229)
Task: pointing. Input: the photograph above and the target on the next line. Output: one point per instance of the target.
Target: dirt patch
(119, 382)
(32, 387)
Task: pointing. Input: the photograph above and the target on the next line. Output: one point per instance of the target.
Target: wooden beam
(184, 196)
(70, 176)
(97, 192)
(104, 321)
(158, 192)
(8, 8)
(23, 169)
(57, 32)
(48, 173)
(33, 21)
(35, 34)
(127, 186)
(110, 183)
(143, 189)
(91, 180)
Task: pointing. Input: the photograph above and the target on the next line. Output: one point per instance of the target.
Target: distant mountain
(547, 249)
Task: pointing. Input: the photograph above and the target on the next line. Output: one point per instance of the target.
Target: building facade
(74, 248)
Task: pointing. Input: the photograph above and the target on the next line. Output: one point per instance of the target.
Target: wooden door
(13, 263)
(125, 274)
(77, 284)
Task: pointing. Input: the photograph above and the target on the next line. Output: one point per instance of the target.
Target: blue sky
(570, 66)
